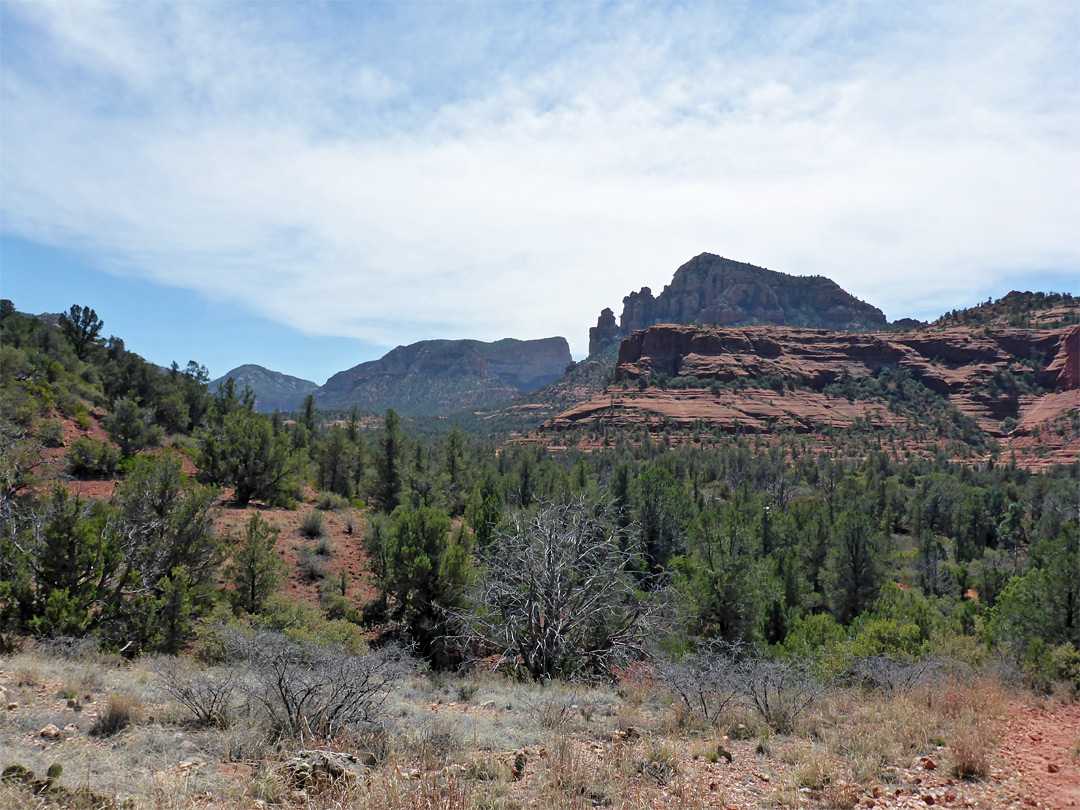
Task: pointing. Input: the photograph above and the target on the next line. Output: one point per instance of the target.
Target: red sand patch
(348, 555)
(1039, 750)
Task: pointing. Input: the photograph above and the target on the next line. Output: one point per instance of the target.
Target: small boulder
(50, 732)
(1052, 768)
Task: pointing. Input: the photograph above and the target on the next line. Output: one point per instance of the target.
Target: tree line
(481, 547)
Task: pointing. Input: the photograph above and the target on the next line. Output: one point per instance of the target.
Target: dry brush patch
(485, 741)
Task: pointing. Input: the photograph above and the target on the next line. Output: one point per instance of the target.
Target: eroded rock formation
(1012, 382)
(710, 289)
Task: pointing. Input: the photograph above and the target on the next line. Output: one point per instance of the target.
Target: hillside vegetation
(1019, 310)
(609, 622)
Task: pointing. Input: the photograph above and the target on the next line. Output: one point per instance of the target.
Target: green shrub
(311, 565)
(312, 525)
(92, 459)
(331, 502)
(1065, 659)
(337, 607)
(302, 622)
(1044, 666)
(20, 405)
(50, 433)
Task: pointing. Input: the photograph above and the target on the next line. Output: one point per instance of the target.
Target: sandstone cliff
(1008, 383)
(710, 289)
(443, 376)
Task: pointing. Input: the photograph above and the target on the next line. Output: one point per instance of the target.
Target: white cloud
(346, 192)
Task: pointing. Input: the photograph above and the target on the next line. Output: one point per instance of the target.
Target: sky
(307, 185)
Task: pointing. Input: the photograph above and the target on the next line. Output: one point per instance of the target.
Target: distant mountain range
(431, 377)
(439, 377)
(443, 376)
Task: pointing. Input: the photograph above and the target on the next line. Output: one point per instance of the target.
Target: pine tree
(255, 569)
(388, 483)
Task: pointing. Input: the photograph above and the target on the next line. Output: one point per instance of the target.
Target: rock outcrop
(710, 289)
(1011, 382)
(442, 376)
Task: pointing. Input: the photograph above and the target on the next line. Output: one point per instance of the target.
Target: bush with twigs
(555, 593)
(207, 694)
(311, 692)
(706, 681)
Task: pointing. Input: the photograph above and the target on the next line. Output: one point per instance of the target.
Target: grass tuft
(120, 712)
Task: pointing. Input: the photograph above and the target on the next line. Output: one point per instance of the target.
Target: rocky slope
(710, 289)
(273, 390)
(1018, 310)
(1010, 384)
(442, 376)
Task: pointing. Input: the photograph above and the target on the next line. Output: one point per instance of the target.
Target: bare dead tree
(554, 593)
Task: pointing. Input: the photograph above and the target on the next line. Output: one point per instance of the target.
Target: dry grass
(970, 711)
(883, 731)
(119, 712)
(484, 742)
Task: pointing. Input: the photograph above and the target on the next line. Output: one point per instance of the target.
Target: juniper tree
(255, 569)
(82, 327)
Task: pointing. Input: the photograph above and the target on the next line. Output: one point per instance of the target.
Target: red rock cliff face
(951, 361)
(1066, 363)
(1031, 376)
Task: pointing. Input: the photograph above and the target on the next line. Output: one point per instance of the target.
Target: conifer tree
(255, 569)
(82, 327)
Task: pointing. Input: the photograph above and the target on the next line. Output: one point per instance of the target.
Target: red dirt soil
(1039, 745)
(348, 555)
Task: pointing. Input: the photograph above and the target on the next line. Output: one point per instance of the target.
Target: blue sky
(306, 185)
